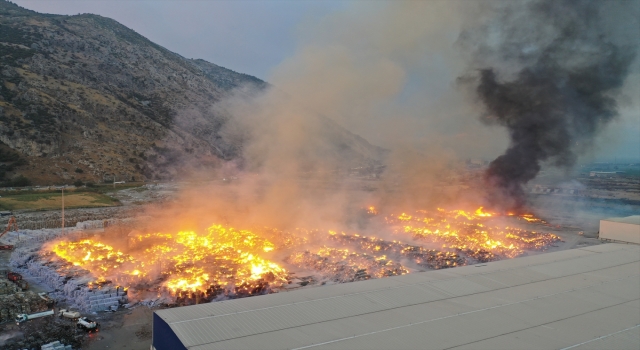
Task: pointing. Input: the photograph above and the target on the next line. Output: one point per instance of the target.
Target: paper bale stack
(56, 345)
(104, 299)
(68, 283)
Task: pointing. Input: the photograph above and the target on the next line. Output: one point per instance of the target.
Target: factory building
(621, 229)
(606, 174)
(584, 298)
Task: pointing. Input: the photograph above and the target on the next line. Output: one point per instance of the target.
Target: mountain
(85, 98)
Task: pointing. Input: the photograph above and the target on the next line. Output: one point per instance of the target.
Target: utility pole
(63, 210)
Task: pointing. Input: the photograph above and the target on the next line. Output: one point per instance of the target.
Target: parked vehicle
(69, 314)
(45, 297)
(88, 325)
(17, 279)
(24, 317)
(14, 276)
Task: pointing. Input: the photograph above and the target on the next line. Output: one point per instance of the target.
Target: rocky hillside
(86, 98)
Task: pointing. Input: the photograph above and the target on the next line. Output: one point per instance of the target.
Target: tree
(20, 181)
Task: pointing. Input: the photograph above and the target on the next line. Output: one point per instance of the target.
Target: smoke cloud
(372, 90)
(549, 71)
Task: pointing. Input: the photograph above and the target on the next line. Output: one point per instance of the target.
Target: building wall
(620, 231)
(163, 337)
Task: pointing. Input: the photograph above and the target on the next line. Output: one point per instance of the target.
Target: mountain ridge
(85, 98)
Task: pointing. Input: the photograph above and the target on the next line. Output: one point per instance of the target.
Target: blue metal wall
(163, 336)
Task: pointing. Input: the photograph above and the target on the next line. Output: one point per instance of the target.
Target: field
(49, 201)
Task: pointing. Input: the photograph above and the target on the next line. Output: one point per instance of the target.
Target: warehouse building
(621, 229)
(586, 298)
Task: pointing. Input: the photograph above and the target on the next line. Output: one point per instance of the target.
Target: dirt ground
(126, 329)
(4, 260)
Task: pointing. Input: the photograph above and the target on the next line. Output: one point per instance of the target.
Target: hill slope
(84, 97)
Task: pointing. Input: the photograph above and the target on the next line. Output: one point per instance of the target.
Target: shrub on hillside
(19, 181)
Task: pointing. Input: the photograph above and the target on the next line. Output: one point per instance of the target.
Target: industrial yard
(319, 174)
(108, 264)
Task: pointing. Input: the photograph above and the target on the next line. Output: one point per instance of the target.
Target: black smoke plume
(565, 62)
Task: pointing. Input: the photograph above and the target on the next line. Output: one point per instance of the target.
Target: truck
(45, 297)
(17, 279)
(87, 325)
(24, 317)
(69, 314)
(14, 276)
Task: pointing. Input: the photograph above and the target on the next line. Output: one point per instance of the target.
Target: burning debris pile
(471, 234)
(342, 265)
(428, 258)
(459, 238)
(224, 262)
(87, 273)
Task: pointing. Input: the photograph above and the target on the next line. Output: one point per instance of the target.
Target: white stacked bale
(90, 225)
(98, 300)
(56, 345)
(26, 260)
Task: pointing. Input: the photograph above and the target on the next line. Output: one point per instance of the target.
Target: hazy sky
(257, 37)
(246, 36)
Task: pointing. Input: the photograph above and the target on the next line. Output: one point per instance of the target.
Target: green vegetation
(48, 201)
(9, 55)
(41, 119)
(107, 187)
(17, 36)
(9, 161)
(5, 92)
(18, 181)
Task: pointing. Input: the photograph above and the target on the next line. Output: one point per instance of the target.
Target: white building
(585, 298)
(621, 229)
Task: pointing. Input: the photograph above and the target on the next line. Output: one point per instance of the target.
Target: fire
(469, 233)
(237, 262)
(185, 261)
(480, 213)
(89, 253)
(531, 218)
(343, 265)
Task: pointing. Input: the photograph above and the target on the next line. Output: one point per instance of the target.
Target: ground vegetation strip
(52, 201)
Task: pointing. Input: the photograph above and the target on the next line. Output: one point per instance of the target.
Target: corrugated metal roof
(634, 220)
(554, 300)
